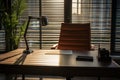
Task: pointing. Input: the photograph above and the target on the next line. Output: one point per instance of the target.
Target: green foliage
(10, 20)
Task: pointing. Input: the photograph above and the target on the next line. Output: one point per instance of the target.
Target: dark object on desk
(84, 58)
(103, 55)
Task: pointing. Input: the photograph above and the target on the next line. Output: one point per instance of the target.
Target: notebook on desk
(61, 52)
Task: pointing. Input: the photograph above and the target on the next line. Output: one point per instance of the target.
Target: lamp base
(27, 51)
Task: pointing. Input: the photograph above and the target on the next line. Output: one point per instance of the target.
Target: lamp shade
(44, 20)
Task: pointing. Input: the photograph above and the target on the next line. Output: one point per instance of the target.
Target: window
(115, 35)
(33, 36)
(96, 12)
(76, 7)
(54, 10)
(2, 41)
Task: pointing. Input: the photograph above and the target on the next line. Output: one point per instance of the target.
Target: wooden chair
(74, 37)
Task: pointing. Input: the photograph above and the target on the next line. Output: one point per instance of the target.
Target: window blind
(2, 41)
(2, 32)
(117, 28)
(98, 14)
(54, 10)
(33, 36)
(115, 35)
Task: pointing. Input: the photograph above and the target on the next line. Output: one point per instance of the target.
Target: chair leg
(15, 78)
(98, 78)
(40, 78)
(8, 77)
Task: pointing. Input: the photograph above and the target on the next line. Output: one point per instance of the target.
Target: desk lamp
(44, 22)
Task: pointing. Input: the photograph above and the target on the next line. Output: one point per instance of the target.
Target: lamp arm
(27, 51)
(27, 47)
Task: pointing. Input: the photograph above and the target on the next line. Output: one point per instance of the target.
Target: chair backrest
(75, 37)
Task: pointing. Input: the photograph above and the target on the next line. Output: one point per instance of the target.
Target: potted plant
(11, 10)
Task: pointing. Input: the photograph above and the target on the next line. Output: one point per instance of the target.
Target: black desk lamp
(44, 22)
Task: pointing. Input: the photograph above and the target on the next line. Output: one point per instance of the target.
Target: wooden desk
(55, 63)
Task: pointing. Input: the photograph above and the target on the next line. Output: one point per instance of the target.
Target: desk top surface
(57, 58)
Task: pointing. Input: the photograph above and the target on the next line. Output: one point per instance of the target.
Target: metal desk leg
(41, 78)
(98, 78)
(23, 77)
(68, 78)
(8, 77)
(15, 77)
